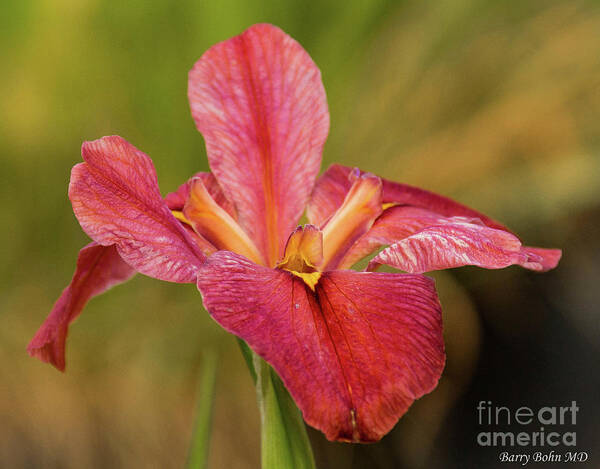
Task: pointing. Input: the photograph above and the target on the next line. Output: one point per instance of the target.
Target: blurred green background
(496, 104)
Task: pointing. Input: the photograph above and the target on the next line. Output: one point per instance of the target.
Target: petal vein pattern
(455, 244)
(354, 354)
(116, 199)
(260, 104)
(425, 231)
(333, 185)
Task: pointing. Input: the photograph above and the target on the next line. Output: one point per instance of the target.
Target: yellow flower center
(303, 253)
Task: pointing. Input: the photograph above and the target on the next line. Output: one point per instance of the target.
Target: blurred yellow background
(496, 104)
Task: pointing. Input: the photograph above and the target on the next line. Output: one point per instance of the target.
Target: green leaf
(285, 443)
(198, 455)
(248, 356)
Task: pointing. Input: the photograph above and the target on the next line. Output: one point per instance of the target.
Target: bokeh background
(496, 104)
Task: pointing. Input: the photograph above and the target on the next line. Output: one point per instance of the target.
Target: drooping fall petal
(259, 102)
(394, 224)
(456, 244)
(354, 354)
(408, 210)
(98, 269)
(116, 199)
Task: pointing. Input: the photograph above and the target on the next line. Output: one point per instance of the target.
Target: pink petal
(333, 184)
(354, 354)
(116, 199)
(404, 194)
(394, 224)
(455, 244)
(98, 269)
(328, 194)
(415, 210)
(176, 200)
(541, 259)
(259, 102)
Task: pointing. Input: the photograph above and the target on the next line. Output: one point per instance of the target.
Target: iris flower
(354, 349)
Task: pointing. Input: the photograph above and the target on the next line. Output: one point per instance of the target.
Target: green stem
(284, 441)
(198, 455)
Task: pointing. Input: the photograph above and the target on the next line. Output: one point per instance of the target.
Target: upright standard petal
(354, 353)
(259, 102)
(116, 199)
(98, 269)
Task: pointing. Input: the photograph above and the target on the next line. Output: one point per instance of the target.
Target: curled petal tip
(98, 268)
(48, 350)
(354, 174)
(541, 259)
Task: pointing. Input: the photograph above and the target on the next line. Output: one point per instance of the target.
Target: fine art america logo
(546, 434)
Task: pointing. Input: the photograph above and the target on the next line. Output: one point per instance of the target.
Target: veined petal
(328, 194)
(407, 211)
(396, 193)
(394, 224)
(333, 185)
(98, 269)
(354, 354)
(455, 244)
(116, 199)
(259, 102)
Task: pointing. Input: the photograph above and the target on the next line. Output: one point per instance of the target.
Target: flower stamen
(212, 222)
(303, 253)
(354, 218)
